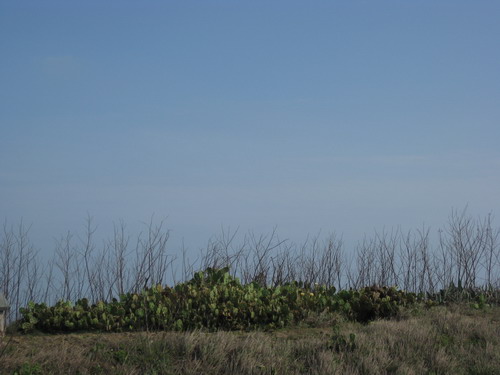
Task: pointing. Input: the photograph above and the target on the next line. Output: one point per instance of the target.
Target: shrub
(214, 300)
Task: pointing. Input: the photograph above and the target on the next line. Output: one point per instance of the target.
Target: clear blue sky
(342, 116)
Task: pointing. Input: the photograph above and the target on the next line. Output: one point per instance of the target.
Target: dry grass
(444, 340)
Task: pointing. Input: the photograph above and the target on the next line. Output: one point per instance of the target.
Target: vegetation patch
(214, 300)
(446, 339)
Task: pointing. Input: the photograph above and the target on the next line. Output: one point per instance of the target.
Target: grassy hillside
(441, 340)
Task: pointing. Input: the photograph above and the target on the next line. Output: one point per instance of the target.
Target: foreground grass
(443, 340)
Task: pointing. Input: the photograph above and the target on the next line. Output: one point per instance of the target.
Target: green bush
(213, 300)
(478, 298)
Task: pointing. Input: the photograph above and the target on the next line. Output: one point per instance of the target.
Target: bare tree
(491, 251)
(152, 260)
(19, 270)
(467, 253)
(119, 245)
(67, 265)
(467, 243)
(87, 252)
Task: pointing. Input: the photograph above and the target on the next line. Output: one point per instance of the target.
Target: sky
(322, 116)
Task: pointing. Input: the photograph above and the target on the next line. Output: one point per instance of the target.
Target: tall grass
(443, 340)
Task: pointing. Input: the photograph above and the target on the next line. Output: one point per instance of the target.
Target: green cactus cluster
(375, 302)
(214, 300)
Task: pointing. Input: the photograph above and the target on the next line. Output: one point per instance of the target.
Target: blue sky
(339, 116)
